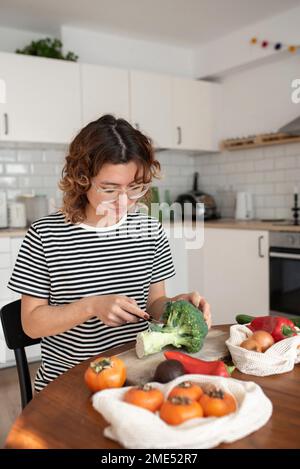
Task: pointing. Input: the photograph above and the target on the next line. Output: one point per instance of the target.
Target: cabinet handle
(179, 140)
(260, 253)
(6, 123)
(137, 126)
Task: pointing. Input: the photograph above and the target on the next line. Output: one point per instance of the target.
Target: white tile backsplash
(30, 168)
(7, 155)
(16, 168)
(8, 181)
(270, 173)
(42, 169)
(30, 156)
(37, 169)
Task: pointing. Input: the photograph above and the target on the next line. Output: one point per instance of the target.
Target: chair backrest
(17, 340)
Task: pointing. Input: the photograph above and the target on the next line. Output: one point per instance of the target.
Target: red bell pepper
(279, 327)
(195, 366)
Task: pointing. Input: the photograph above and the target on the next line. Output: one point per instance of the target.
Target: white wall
(120, 51)
(259, 100)
(12, 39)
(110, 49)
(234, 51)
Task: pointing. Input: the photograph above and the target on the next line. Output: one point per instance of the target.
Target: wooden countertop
(62, 415)
(12, 232)
(251, 225)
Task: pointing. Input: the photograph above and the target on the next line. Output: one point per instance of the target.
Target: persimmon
(145, 396)
(187, 389)
(217, 403)
(177, 410)
(105, 373)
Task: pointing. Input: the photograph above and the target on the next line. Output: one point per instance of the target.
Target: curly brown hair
(106, 140)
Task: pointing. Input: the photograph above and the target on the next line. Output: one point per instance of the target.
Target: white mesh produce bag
(279, 358)
(135, 427)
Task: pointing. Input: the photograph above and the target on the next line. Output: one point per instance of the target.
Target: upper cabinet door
(105, 90)
(151, 106)
(192, 114)
(42, 99)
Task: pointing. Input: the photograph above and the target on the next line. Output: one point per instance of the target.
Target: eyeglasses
(112, 194)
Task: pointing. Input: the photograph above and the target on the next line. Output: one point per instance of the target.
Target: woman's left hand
(199, 301)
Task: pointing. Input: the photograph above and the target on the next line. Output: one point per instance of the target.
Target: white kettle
(244, 206)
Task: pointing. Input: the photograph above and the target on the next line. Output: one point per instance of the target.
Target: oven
(285, 272)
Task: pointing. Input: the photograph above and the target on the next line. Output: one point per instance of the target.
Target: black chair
(17, 340)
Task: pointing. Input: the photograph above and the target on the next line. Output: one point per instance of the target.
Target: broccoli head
(184, 326)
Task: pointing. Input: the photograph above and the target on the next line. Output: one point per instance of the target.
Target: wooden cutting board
(141, 370)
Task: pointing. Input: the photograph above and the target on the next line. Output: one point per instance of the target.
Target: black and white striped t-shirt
(64, 262)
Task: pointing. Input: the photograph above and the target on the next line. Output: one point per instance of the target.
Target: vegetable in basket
(279, 327)
(260, 341)
(184, 326)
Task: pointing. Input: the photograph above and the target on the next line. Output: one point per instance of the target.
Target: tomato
(105, 373)
(145, 396)
(177, 410)
(217, 403)
(187, 389)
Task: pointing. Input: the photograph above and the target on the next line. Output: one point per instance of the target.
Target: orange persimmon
(145, 396)
(217, 403)
(187, 389)
(177, 410)
(105, 373)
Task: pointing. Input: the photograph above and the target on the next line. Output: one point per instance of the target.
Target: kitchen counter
(12, 232)
(229, 223)
(250, 225)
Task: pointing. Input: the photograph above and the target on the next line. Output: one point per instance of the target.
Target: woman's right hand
(114, 310)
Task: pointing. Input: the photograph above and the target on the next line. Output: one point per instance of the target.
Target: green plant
(51, 48)
(184, 327)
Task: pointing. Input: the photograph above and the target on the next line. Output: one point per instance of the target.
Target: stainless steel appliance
(195, 195)
(285, 272)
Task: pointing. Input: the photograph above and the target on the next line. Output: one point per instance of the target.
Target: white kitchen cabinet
(105, 90)
(194, 114)
(236, 273)
(42, 99)
(9, 248)
(179, 282)
(5, 269)
(150, 100)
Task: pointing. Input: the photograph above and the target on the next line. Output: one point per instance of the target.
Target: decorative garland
(275, 45)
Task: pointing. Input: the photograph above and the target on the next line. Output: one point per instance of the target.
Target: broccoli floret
(184, 326)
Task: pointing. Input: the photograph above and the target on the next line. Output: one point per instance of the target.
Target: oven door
(285, 280)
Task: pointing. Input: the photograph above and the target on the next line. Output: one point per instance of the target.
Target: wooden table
(62, 416)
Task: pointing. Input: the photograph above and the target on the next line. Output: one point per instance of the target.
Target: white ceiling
(178, 22)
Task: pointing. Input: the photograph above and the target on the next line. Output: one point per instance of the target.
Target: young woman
(92, 273)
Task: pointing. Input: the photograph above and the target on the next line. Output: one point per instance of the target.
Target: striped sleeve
(163, 266)
(30, 274)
